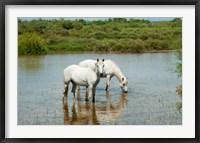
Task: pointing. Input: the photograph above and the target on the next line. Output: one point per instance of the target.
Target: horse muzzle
(124, 89)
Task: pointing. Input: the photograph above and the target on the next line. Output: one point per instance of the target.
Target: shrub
(31, 43)
(144, 36)
(137, 46)
(67, 24)
(69, 47)
(155, 44)
(115, 29)
(114, 34)
(98, 35)
(103, 46)
(120, 46)
(179, 72)
(179, 63)
(177, 44)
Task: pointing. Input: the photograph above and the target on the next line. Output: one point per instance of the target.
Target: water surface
(151, 97)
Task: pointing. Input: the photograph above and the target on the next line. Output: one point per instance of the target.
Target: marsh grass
(179, 72)
(112, 35)
(31, 43)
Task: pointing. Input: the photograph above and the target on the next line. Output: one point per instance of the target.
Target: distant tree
(98, 22)
(67, 24)
(132, 20)
(110, 20)
(177, 20)
(77, 25)
(120, 20)
(19, 20)
(82, 21)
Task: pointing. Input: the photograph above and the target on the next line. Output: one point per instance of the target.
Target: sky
(152, 19)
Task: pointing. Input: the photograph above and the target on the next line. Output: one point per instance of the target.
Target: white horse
(82, 76)
(92, 64)
(111, 69)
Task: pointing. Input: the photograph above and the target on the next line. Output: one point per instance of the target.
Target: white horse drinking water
(83, 76)
(111, 69)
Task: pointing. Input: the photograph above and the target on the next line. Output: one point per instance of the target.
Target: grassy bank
(112, 52)
(116, 35)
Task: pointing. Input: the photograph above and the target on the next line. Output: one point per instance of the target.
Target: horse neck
(118, 73)
(96, 72)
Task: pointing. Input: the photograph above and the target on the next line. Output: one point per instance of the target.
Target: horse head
(100, 67)
(123, 84)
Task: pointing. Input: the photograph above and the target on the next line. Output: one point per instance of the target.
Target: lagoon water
(151, 97)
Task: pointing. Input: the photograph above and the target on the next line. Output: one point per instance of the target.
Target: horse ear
(103, 60)
(97, 60)
(122, 79)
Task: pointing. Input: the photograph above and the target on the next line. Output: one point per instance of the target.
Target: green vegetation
(112, 35)
(179, 63)
(179, 72)
(31, 43)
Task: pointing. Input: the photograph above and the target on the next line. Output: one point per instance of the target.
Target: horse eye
(123, 84)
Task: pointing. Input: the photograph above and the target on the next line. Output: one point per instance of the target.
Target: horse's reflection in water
(80, 113)
(111, 111)
(87, 113)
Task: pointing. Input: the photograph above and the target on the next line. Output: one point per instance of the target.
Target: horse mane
(116, 70)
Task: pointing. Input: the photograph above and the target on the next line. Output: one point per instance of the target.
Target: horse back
(88, 63)
(83, 76)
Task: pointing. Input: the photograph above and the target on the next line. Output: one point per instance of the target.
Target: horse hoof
(93, 100)
(65, 94)
(73, 96)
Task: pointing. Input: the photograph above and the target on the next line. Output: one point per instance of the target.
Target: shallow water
(151, 97)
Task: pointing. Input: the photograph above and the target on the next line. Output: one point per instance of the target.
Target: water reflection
(81, 112)
(31, 63)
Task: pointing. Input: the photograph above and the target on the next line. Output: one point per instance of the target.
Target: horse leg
(86, 96)
(80, 88)
(97, 82)
(94, 89)
(74, 89)
(66, 88)
(93, 93)
(108, 82)
(90, 90)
